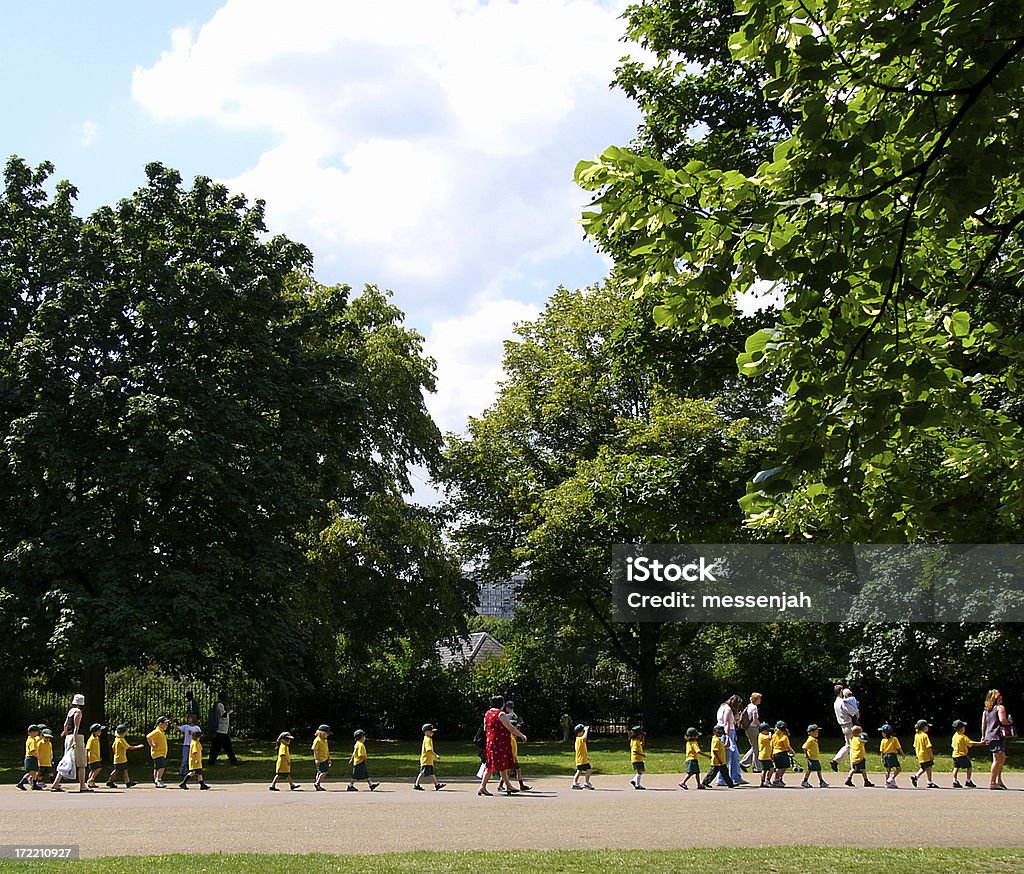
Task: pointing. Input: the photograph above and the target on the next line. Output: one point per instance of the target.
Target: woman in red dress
(499, 730)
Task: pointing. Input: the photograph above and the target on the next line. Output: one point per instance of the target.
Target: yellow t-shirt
(811, 748)
(284, 759)
(890, 744)
(857, 751)
(961, 744)
(582, 755)
(358, 752)
(195, 755)
(30, 746)
(321, 752)
(717, 750)
(692, 750)
(923, 747)
(427, 752)
(92, 749)
(158, 743)
(636, 751)
(780, 743)
(764, 747)
(44, 751)
(120, 748)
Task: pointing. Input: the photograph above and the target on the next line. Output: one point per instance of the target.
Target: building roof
(475, 649)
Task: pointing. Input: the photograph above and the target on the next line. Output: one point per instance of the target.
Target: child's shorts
(515, 767)
(45, 773)
(95, 766)
(584, 767)
(31, 763)
(427, 771)
(287, 774)
(813, 765)
(159, 762)
(323, 767)
(890, 760)
(767, 764)
(360, 772)
(782, 761)
(118, 768)
(962, 762)
(693, 767)
(860, 767)
(926, 765)
(638, 767)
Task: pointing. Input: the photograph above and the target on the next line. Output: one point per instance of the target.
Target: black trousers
(221, 743)
(715, 771)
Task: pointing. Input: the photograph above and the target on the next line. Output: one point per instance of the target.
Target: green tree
(890, 222)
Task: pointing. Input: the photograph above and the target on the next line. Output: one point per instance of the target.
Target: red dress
(499, 742)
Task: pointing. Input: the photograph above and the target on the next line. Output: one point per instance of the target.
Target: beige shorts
(81, 757)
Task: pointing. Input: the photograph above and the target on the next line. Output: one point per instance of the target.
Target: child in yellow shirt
(44, 754)
(961, 754)
(120, 748)
(583, 767)
(427, 758)
(358, 762)
(321, 756)
(31, 774)
(782, 753)
(195, 761)
(94, 758)
(810, 749)
(637, 755)
(283, 767)
(718, 766)
(858, 756)
(764, 753)
(891, 751)
(692, 764)
(925, 754)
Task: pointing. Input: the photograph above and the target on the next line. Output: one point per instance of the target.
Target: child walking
(810, 749)
(961, 754)
(764, 753)
(94, 756)
(858, 757)
(427, 758)
(925, 754)
(195, 762)
(283, 768)
(782, 753)
(692, 764)
(891, 750)
(358, 762)
(583, 767)
(637, 755)
(120, 749)
(157, 740)
(321, 756)
(44, 755)
(718, 766)
(31, 774)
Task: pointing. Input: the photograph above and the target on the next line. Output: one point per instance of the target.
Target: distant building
(473, 650)
(499, 599)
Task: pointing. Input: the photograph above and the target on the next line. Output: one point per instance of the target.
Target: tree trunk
(94, 687)
(649, 633)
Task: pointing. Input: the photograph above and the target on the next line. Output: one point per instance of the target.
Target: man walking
(220, 717)
(847, 712)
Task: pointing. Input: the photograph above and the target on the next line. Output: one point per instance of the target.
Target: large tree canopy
(889, 222)
(184, 413)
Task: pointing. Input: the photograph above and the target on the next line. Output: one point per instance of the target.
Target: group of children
(775, 753)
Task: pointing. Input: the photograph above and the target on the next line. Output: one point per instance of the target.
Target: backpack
(744, 721)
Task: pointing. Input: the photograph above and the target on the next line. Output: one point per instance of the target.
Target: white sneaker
(160, 785)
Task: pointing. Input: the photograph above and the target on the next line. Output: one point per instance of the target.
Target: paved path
(248, 818)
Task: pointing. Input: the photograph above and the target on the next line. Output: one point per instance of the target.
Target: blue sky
(423, 145)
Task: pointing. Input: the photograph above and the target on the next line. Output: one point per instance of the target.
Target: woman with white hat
(74, 740)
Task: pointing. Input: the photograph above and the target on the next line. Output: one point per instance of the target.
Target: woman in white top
(750, 720)
(727, 717)
(74, 740)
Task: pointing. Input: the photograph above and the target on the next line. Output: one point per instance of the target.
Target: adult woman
(499, 730)
(993, 719)
(74, 740)
(726, 716)
(750, 722)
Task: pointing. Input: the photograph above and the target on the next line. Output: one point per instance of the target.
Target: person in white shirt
(749, 722)
(847, 712)
(727, 717)
(220, 722)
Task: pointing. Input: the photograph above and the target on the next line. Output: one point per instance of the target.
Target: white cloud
(90, 132)
(426, 145)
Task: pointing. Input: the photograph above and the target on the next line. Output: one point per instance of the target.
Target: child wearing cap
(961, 754)
(321, 756)
(187, 730)
(195, 761)
(891, 750)
(782, 753)
(94, 758)
(637, 755)
(718, 766)
(583, 767)
(284, 761)
(925, 754)
(691, 765)
(31, 774)
(764, 753)
(358, 762)
(427, 758)
(810, 749)
(157, 740)
(44, 755)
(858, 756)
(120, 749)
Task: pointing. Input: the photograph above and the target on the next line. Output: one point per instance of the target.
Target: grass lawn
(400, 759)
(814, 860)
